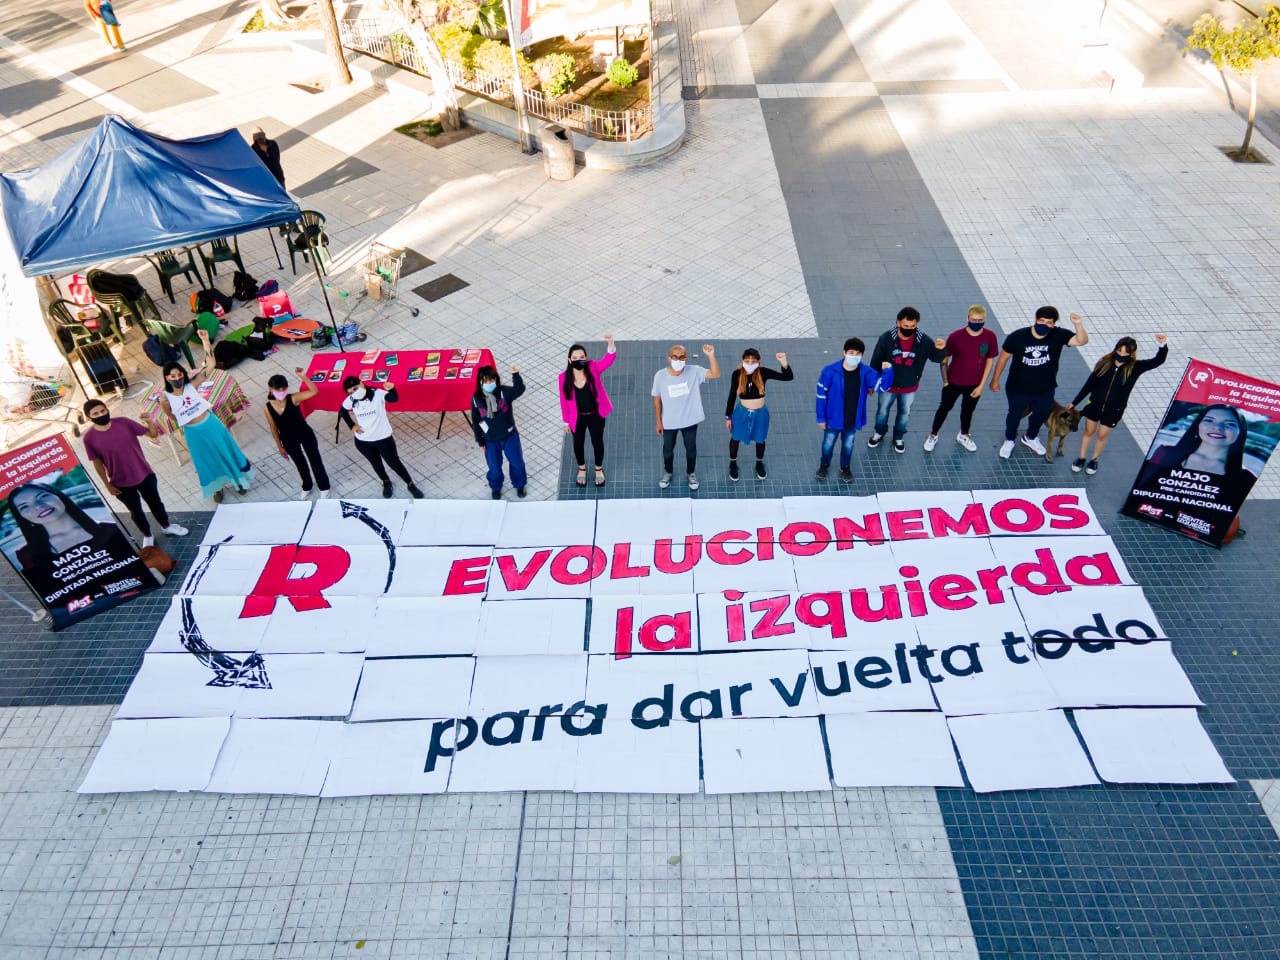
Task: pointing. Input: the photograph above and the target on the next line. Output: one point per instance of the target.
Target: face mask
(1041, 329)
(677, 365)
(851, 360)
(906, 334)
(488, 387)
(750, 368)
(580, 364)
(359, 393)
(1122, 360)
(103, 420)
(279, 394)
(977, 325)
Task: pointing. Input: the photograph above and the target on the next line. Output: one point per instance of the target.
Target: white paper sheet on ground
(232, 572)
(992, 682)
(629, 685)
(304, 685)
(176, 685)
(859, 565)
(642, 521)
(543, 573)
(1083, 613)
(775, 573)
(626, 759)
(633, 571)
(383, 758)
(422, 626)
(413, 688)
(864, 680)
(270, 522)
(217, 620)
(642, 625)
(341, 627)
(1085, 560)
(758, 756)
(339, 521)
(957, 559)
(515, 627)
(1020, 751)
(1151, 746)
(937, 514)
(450, 523)
(1127, 675)
(275, 756)
(527, 683)
(527, 764)
(1057, 511)
(850, 519)
(556, 523)
(367, 570)
(892, 749)
(857, 619)
(767, 683)
(425, 571)
(985, 623)
(156, 755)
(763, 620)
(710, 517)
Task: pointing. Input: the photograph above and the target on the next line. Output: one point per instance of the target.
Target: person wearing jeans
(493, 421)
(677, 407)
(843, 389)
(908, 349)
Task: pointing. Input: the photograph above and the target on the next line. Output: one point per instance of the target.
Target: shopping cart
(39, 400)
(382, 271)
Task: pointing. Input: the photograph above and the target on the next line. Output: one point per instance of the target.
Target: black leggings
(733, 449)
(303, 449)
(591, 423)
(950, 392)
(132, 498)
(382, 451)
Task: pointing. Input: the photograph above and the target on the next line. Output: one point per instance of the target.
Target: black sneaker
(414, 491)
(846, 475)
(1077, 465)
(760, 472)
(386, 490)
(875, 440)
(496, 494)
(899, 446)
(1092, 468)
(733, 470)
(520, 492)
(823, 468)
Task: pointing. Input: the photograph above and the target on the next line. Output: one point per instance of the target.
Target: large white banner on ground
(931, 638)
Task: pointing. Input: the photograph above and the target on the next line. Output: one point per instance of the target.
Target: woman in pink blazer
(584, 404)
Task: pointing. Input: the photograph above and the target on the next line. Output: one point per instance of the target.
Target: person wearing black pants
(365, 412)
(294, 437)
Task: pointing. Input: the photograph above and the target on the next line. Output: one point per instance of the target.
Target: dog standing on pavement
(1061, 422)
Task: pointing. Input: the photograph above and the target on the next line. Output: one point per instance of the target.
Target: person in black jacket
(268, 152)
(745, 415)
(1108, 389)
(908, 349)
(494, 424)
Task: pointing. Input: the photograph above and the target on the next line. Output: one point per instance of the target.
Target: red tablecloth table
(426, 380)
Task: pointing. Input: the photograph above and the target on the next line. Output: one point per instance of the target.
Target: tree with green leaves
(1241, 48)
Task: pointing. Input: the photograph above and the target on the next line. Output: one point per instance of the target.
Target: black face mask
(1123, 360)
(906, 334)
(103, 420)
(580, 364)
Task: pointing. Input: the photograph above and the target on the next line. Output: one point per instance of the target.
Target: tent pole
(279, 262)
(315, 262)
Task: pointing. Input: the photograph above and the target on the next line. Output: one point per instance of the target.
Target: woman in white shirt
(365, 412)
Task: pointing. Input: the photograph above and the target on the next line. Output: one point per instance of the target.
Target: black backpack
(243, 286)
(205, 299)
(227, 353)
(160, 353)
(261, 340)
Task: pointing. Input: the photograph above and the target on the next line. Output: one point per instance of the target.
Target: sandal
(599, 476)
(582, 476)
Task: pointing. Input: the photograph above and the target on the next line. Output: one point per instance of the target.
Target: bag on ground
(243, 286)
(276, 306)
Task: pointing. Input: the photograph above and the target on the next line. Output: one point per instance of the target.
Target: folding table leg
(440, 425)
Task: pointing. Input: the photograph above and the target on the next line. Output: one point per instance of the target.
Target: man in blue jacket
(843, 389)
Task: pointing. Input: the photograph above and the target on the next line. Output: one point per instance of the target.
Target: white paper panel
(624, 684)
(514, 627)
(775, 573)
(632, 572)
(412, 688)
(412, 626)
(857, 565)
(1055, 512)
(778, 680)
(528, 764)
(765, 624)
(538, 573)
(342, 627)
(232, 572)
(892, 749)
(277, 521)
(328, 525)
(275, 756)
(424, 571)
(826, 510)
(710, 517)
(1151, 746)
(143, 755)
(625, 759)
(519, 683)
(958, 556)
(176, 685)
(657, 624)
(1074, 612)
(1130, 674)
(304, 685)
(931, 513)
(556, 523)
(447, 523)
(1020, 751)
(985, 623)
(642, 521)
(217, 620)
(841, 691)
(757, 756)
(1001, 686)
(1081, 560)
(366, 575)
(384, 758)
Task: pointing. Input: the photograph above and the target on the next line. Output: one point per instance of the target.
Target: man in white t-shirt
(677, 407)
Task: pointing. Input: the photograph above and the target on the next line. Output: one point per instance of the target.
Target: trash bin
(557, 153)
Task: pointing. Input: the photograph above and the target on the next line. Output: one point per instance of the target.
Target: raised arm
(307, 389)
(710, 351)
(1082, 335)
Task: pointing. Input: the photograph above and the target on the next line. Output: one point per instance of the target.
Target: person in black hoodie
(1108, 389)
(908, 349)
(494, 424)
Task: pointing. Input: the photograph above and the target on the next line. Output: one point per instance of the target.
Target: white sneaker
(148, 542)
(324, 494)
(175, 530)
(1006, 450)
(1032, 444)
(966, 441)
(930, 442)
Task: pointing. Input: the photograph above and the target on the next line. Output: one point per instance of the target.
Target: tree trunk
(444, 101)
(273, 13)
(1253, 112)
(333, 43)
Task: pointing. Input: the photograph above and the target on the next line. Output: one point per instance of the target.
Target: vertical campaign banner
(61, 537)
(1217, 434)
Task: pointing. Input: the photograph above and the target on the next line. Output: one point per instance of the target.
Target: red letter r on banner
(331, 563)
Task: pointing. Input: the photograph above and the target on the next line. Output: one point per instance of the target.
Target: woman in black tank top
(294, 437)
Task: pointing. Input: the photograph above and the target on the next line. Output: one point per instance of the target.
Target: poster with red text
(1217, 435)
(61, 537)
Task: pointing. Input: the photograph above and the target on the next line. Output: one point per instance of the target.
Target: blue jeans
(883, 401)
(1039, 404)
(847, 436)
(515, 461)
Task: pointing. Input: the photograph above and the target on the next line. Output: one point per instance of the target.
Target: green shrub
(494, 57)
(557, 73)
(622, 74)
(457, 43)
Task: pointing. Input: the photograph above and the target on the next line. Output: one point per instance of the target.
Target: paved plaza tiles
(844, 157)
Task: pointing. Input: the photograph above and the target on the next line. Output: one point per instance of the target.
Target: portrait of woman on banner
(41, 523)
(1216, 441)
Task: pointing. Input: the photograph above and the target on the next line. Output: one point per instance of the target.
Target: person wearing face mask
(494, 423)
(365, 412)
(843, 389)
(585, 404)
(970, 354)
(218, 459)
(1032, 356)
(745, 415)
(1108, 389)
(908, 348)
(677, 406)
(293, 435)
(112, 446)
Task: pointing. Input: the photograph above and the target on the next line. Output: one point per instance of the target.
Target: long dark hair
(36, 535)
(486, 373)
(1108, 361)
(1189, 442)
(749, 378)
(186, 377)
(568, 373)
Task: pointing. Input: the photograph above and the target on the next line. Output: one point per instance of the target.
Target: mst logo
(1194, 523)
(1150, 510)
(79, 603)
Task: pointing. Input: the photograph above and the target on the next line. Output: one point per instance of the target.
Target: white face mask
(279, 394)
(750, 368)
(851, 360)
(359, 393)
(677, 365)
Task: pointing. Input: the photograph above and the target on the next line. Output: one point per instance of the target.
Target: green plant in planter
(557, 73)
(621, 73)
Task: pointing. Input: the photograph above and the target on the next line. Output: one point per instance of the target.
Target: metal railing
(377, 39)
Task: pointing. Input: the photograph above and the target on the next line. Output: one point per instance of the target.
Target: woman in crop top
(218, 459)
(745, 415)
(294, 437)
